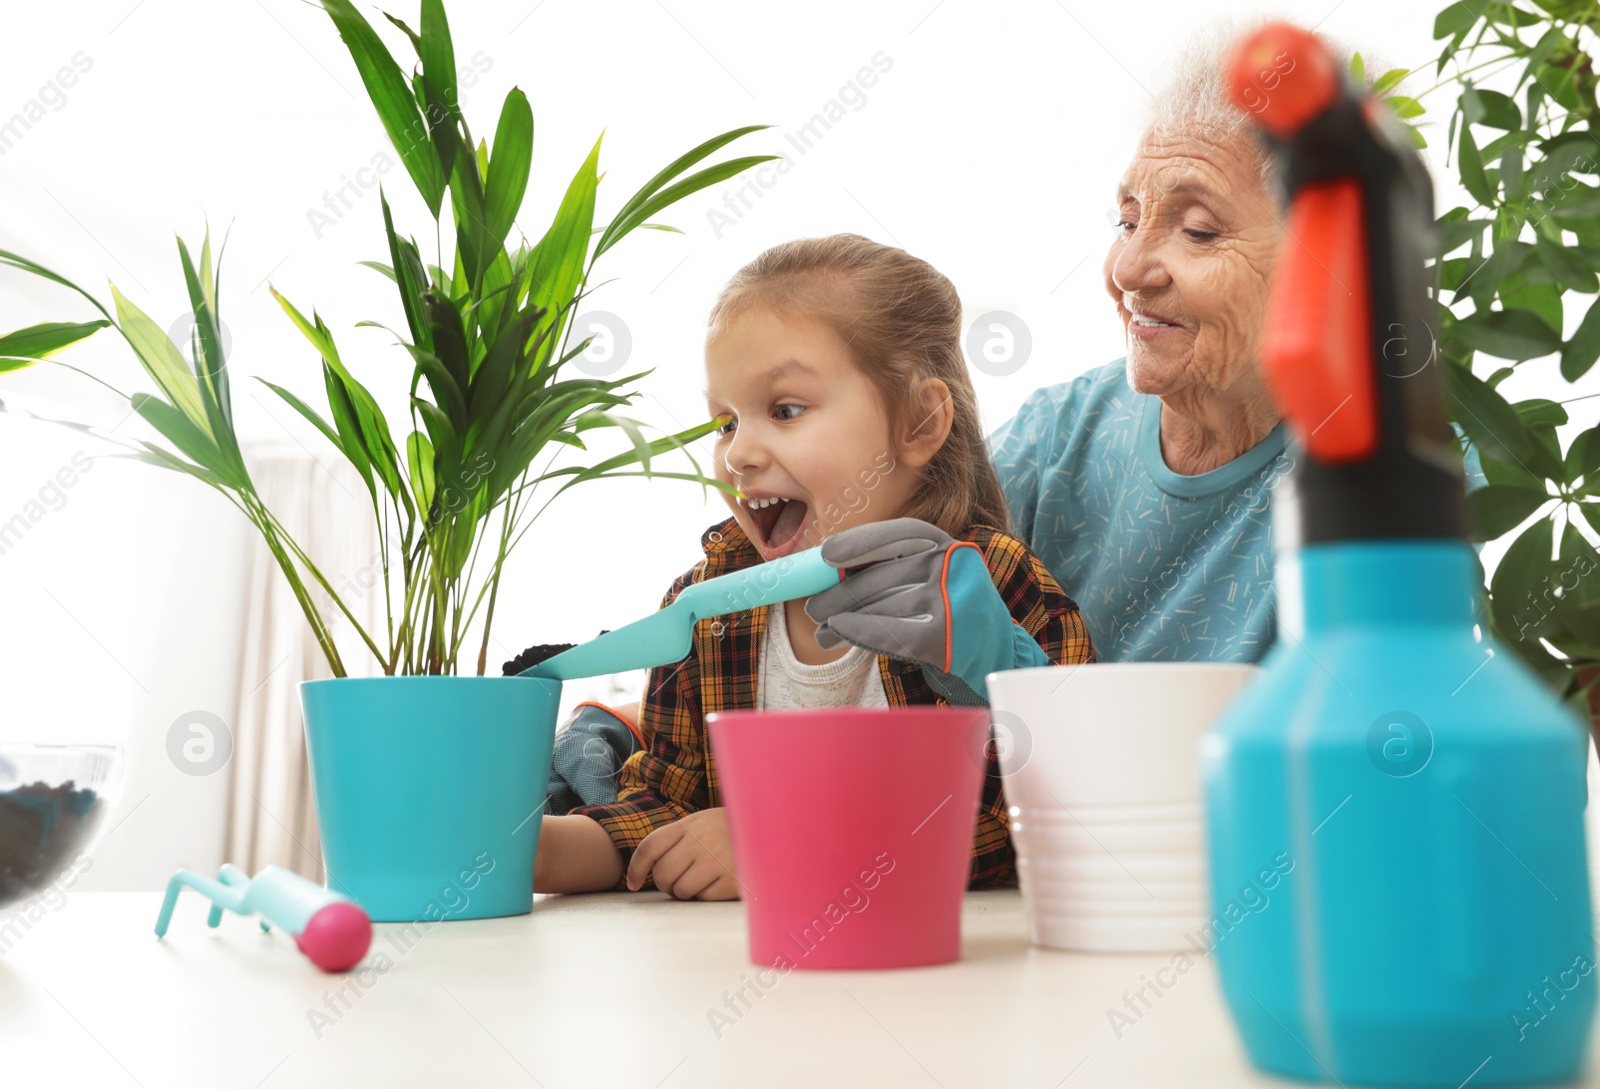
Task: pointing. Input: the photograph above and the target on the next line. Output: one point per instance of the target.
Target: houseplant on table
(428, 783)
(1511, 262)
(1532, 241)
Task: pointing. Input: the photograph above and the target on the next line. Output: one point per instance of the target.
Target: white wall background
(990, 147)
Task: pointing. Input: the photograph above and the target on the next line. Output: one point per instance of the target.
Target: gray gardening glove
(926, 597)
(589, 752)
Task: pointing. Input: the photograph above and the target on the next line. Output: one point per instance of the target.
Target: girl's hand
(690, 859)
(922, 596)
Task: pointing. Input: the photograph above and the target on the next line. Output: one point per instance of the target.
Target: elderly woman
(1144, 485)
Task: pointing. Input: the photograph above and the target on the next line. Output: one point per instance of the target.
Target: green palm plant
(488, 340)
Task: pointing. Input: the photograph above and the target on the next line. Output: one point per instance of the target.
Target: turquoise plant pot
(429, 790)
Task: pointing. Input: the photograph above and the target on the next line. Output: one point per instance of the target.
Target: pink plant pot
(852, 830)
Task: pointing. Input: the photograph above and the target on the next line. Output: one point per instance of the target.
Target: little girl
(848, 421)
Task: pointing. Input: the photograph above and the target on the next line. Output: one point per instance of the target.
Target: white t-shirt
(787, 682)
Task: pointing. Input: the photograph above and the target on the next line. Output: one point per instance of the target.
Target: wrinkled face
(803, 434)
(1196, 241)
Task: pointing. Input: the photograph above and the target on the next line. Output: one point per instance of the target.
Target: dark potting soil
(534, 655)
(41, 829)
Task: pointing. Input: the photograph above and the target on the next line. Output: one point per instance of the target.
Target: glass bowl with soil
(54, 800)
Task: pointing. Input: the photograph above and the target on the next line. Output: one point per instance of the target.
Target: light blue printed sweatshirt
(1165, 567)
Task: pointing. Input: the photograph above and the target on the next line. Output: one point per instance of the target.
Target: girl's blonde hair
(901, 319)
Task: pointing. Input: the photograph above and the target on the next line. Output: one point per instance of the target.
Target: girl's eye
(726, 426)
(797, 410)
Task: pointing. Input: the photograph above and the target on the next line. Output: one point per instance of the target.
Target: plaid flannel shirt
(674, 774)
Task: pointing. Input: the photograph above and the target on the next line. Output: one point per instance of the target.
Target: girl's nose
(745, 455)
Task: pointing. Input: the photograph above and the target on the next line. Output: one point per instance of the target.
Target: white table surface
(612, 990)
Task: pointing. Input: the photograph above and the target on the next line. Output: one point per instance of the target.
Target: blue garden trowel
(665, 636)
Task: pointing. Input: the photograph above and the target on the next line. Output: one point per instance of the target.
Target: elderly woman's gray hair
(1193, 98)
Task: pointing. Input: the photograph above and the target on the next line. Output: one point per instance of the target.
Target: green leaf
(1497, 147)
(632, 457)
(1583, 460)
(507, 180)
(208, 275)
(1579, 353)
(356, 414)
(439, 56)
(1455, 19)
(1563, 9)
(1497, 509)
(1496, 471)
(1514, 181)
(348, 422)
(210, 367)
(449, 338)
(1405, 107)
(182, 432)
(19, 262)
(1567, 271)
(27, 346)
(166, 459)
(419, 459)
(556, 265)
(466, 200)
(410, 277)
(161, 360)
(711, 175)
(309, 413)
(1540, 410)
(1389, 80)
(1508, 334)
(502, 369)
(441, 432)
(1558, 82)
(1490, 421)
(392, 98)
(1471, 166)
(1574, 206)
(1521, 613)
(380, 267)
(1536, 58)
(1549, 447)
(1591, 514)
(1543, 300)
(1578, 575)
(1358, 70)
(416, 39)
(1553, 176)
(649, 189)
(1498, 111)
(447, 393)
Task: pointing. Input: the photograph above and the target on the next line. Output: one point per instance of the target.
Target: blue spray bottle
(1410, 793)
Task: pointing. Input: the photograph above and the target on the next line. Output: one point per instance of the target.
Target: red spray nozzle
(1350, 292)
(1283, 76)
(1316, 341)
(1316, 348)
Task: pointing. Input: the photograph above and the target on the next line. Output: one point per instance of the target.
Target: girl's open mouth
(780, 525)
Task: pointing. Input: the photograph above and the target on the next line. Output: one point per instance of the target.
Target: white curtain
(324, 505)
